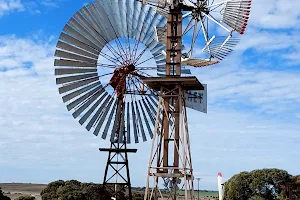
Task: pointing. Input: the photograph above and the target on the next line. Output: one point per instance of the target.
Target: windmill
(220, 24)
(103, 52)
(105, 59)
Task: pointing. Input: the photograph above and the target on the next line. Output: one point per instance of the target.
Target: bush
(26, 197)
(74, 190)
(2, 196)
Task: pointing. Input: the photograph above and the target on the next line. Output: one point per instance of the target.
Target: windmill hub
(118, 80)
(201, 8)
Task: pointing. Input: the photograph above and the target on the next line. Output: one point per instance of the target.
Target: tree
(267, 184)
(295, 187)
(75, 190)
(238, 187)
(95, 191)
(49, 193)
(270, 183)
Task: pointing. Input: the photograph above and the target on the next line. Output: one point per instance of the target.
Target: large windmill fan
(211, 28)
(102, 53)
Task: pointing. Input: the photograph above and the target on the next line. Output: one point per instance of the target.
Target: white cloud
(49, 3)
(9, 6)
(275, 14)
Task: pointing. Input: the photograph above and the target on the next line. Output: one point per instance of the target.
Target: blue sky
(253, 118)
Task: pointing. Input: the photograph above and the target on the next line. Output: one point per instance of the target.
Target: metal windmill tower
(105, 59)
(170, 157)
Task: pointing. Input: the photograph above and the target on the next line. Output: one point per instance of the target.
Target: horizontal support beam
(117, 163)
(118, 150)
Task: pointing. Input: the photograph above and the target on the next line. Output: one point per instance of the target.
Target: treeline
(75, 190)
(263, 184)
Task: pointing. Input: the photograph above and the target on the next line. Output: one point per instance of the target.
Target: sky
(253, 118)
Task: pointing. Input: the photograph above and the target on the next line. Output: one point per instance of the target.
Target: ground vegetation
(263, 184)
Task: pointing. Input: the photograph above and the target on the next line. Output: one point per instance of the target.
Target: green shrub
(26, 197)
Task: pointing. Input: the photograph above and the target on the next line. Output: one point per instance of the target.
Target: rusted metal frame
(188, 144)
(140, 84)
(117, 124)
(173, 47)
(152, 156)
(160, 157)
(122, 136)
(176, 136)
(146, 86)
(188, 137)
(138, 89)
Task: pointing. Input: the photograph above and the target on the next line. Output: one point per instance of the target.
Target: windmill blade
(84, 98)
(222, 46)
(146, 120)
(108, 122)
(78, 92)
(88, 103)
(100, 116)
(141, 125)
(93, 108)
(101, 38)
(67, 71)
(198, 62)
(236, 14)
(134, 120)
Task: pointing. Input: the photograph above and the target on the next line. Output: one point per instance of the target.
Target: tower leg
(176, 176)
(116, 176)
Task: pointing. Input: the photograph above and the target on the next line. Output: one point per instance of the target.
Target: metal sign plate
(197, 99)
